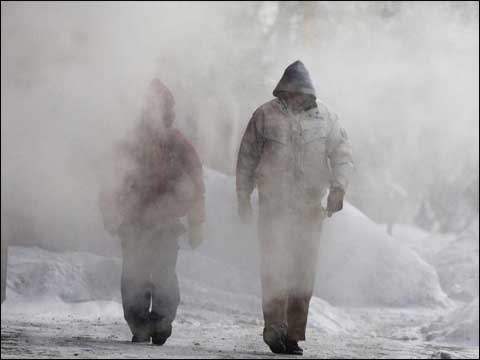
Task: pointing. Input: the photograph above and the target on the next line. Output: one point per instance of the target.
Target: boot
(275, 337)
(293, 348)
(159, 337)
(141, 338)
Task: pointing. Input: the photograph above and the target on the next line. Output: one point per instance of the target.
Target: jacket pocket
(313, 134)
(275, 134)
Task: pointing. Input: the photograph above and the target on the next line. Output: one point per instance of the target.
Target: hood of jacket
(295, 79)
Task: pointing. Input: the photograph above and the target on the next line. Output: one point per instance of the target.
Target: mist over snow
(403, 77)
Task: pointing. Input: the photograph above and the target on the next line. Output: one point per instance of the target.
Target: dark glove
(245, 210)
(335, 200)
(195, 235)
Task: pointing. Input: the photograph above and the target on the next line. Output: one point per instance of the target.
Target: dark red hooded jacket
(175, 158)
(163, 165)
(164, 180)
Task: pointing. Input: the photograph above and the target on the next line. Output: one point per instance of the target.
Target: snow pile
(216, 274)
(54, 284)
(458, 327)
(327, 318)
(86, 285)
(361, 265)
(47, 284)
(423, 243)
(408, 234)
(53, 307)
(226, 238)
(458, 265)
(72, 277)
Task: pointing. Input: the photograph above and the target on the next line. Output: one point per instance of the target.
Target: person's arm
(196, 210)
(339, 152)
(248, 158)
(193, 168)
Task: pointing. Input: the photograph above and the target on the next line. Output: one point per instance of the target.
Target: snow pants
(149, 288)
(289, 251)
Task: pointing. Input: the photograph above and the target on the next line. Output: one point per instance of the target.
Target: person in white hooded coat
(294, 150)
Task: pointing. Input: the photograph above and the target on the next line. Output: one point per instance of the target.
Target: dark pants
(150, 293)
(289, 252)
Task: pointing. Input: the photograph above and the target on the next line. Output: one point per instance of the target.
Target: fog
(402, 76)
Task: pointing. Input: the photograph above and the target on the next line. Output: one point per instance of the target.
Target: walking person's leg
(274, 291)
(304, 256)
(165, 290)
(136, 291)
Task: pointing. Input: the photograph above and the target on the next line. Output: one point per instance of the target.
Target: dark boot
(141, 338)
(293, 348)
(159, 337)
(275, 337)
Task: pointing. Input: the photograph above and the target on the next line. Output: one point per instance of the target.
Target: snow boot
(275, 337)
(159, 337)
(293, 348)
(140, 338)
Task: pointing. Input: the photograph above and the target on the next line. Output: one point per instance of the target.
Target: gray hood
(295, 79)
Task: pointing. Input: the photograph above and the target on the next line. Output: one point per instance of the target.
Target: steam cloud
(403, 77)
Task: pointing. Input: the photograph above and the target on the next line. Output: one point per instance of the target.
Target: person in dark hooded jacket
(164, 183)
(294, 150)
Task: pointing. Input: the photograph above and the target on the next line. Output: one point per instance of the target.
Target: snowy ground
(460, 326)
(201, 333)
(212, 322)
(96, 329)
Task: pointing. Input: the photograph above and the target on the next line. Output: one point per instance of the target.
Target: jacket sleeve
(249, 156)
(339, 153)
(193, 168)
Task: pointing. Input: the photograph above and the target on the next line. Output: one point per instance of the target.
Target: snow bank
(85, 285)
(226, 237)
(34, 273)
(361, 264)
(458, 265)
(73, 277)
(408, 234)
(455, 257)
(217, 274)
(328, 319)
(458, 327)
(423, 243)
(48, 285)
(48, 307)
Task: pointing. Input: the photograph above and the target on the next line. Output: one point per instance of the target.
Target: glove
(335, 200)
(245, 210)
(195, 235)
